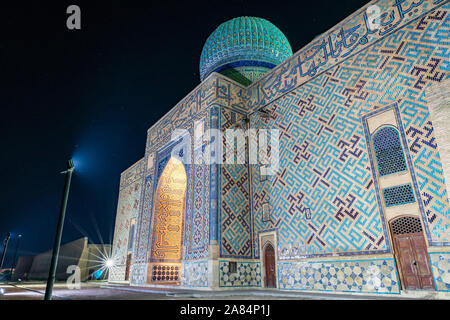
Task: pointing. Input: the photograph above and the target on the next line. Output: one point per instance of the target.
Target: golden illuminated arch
(168, 212)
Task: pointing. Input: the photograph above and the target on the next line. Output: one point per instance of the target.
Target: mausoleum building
(348, 191)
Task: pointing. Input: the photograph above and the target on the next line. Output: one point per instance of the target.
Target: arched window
(388, 151)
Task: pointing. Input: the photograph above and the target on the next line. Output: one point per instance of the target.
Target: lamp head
(70, 164)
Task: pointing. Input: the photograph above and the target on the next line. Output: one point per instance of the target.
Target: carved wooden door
(411, 254)
(269, 266)
(127, 270)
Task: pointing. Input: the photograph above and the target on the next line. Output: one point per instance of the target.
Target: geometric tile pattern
(261, 188)
(216, 90)
(235, 222)
(197, 217)
(248, 275)
(132, 174)
(127, 210)
(324, 164)
(195, 274)
(412, 59)
(339, 43)
(138, 273)
(142, 240)
(440, 264)
(323, 167)
(377, 276)
(398, 195)
(214, 180)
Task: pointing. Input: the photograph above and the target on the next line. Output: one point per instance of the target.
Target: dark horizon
(91, 94)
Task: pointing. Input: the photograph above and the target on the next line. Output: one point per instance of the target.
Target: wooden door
(127, 270)
(269, 266)
(411, 254)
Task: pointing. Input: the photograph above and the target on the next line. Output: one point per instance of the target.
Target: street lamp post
(5, 246)
(59, 229)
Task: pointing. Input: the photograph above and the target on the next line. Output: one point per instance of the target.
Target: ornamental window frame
(380, 165)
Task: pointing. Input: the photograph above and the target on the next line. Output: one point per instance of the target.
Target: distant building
(359, 198)
(23, 267)
(90, 258)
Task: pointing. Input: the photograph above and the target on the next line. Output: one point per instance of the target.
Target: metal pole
(59, 229)
(4, 249)
(15, 256)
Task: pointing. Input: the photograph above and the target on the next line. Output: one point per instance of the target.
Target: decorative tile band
(195, 274)
(127, 212)
(440, 264)
(248, 274)
(117, 273)
(375, 276)
(138, 273)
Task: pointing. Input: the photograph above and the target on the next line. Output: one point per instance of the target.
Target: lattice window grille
(232, 266)
(163, 273)
(389, 151)
(406, 225)
(398, 195)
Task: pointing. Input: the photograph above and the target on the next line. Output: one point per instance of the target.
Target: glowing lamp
(109, 263)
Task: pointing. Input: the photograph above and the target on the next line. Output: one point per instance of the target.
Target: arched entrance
(411, 253)
(168, 224)
(269, 266)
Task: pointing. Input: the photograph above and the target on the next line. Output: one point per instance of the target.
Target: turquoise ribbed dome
(244, 49)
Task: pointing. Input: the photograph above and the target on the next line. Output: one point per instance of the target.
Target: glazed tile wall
(339, 43)
(324, 161)
(440, 264)
(235, 215)
(248, 275)
(215, 91)
(138, 273)
(127, 209)
(195, 274)
(196, 223)
(197, 216)
(261, 187)
(376, 276)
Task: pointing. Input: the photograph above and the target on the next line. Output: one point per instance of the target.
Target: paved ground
(103, 291)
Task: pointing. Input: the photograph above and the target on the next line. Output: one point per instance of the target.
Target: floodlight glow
(109, 263)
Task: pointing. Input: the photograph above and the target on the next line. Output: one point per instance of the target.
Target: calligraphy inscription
(368, 25)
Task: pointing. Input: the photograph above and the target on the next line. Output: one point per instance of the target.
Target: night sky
(93, 93)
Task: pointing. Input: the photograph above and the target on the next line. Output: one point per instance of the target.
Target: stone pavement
(105, 291)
